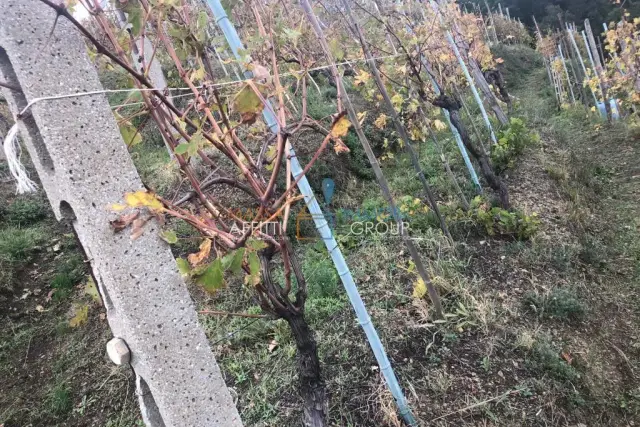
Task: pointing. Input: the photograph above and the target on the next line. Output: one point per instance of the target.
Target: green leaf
(253, 278)
(233, 261)
(255, 244)
(183, 266)
(130, 134)
(336, 49)
(212, 279)
(202, 20)
(247, 101)
(201, 27)
(182, 149)
(169, 236)
(190, 148)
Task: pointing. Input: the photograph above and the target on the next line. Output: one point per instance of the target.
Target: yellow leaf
(361, 117)
(439, 125)
(205, 249)
(81, 314)
(397, 101)
(143, 198)
(341, 127)
(118, 207)
(197, 75)
(91, 289)
(362, 78)
(247, 102)
(381, 121)
(419, 288)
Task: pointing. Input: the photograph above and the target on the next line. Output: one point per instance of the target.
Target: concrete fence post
(84, 167)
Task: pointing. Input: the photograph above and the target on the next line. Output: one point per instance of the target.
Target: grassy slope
(545, 328)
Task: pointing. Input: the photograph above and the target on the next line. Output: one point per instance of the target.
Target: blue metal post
(465, 71)
(325, 232)
(456, 135)
(454, 131)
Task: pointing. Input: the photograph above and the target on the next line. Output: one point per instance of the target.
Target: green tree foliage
(546, 11)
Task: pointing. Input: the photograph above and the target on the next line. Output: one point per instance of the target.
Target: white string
(95, 92)
(13, 151)
(216, 85)
(12, 147)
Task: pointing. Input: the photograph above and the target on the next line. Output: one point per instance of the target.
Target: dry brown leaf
(260, 72)
(138, 227)
(197, 258)
(248, 118)
(339, 146)
(123, 221)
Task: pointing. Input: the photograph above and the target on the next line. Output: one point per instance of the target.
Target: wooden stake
(382, 181)
(598, 67)
(400, 128)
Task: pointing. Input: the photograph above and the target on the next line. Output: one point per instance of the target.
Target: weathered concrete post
(84, 167)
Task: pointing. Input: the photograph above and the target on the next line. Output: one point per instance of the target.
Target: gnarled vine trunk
(312, 387)
(494, 77)
(452, 105)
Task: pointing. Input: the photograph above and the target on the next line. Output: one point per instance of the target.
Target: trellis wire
(212, 85)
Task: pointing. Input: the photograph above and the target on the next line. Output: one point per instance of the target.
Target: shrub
(497, 221)
(560, 304)
(25, 211)
(545, 357)
(358, 163)
(511, 31)
(511, 143)
(519, 62)
(319, 105)
(59, 399)
(17, 244)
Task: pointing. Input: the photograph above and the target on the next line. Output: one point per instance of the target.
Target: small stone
(118, 351)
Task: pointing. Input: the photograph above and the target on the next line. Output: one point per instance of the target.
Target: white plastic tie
(13, 151)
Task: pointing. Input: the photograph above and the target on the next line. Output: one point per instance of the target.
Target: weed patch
(545, 357)
(18, 244)
(59, 399)
(24, 211)
(495, 221)
(512, 142)
(560, 304)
